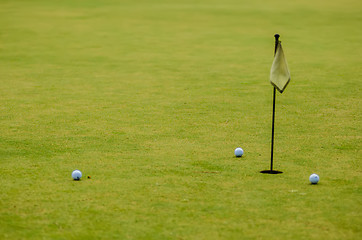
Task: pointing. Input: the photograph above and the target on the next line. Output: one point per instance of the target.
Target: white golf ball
(314, 178)
(76, 174)
(239, 152)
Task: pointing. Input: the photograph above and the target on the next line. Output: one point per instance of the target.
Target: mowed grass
(150, 99)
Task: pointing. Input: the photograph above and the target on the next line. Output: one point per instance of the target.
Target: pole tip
(276, 36)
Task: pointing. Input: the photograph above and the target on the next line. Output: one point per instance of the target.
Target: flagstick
(271, 171)
(272, 140)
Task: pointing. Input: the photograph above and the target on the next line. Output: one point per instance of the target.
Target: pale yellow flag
(279, 73)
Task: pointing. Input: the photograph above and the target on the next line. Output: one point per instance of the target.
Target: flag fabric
(279, 73)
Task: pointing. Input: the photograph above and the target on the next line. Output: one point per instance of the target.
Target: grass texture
(150, 99)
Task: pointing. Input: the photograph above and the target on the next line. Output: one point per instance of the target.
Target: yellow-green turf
(150, 99)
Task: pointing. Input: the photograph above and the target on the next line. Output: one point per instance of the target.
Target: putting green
(150, 99)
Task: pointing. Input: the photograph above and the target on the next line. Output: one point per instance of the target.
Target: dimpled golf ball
(314, 178)
(76, 174)
(239, 152)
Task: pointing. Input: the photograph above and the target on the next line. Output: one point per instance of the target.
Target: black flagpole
(271, 171)
(272, 139)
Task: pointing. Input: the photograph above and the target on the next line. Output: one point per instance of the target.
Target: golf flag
(279, 73)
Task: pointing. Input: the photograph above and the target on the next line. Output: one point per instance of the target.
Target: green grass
(150, 98)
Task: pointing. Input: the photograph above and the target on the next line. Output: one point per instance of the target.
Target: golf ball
(239, 152)
(314, 178)
(76, 174)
